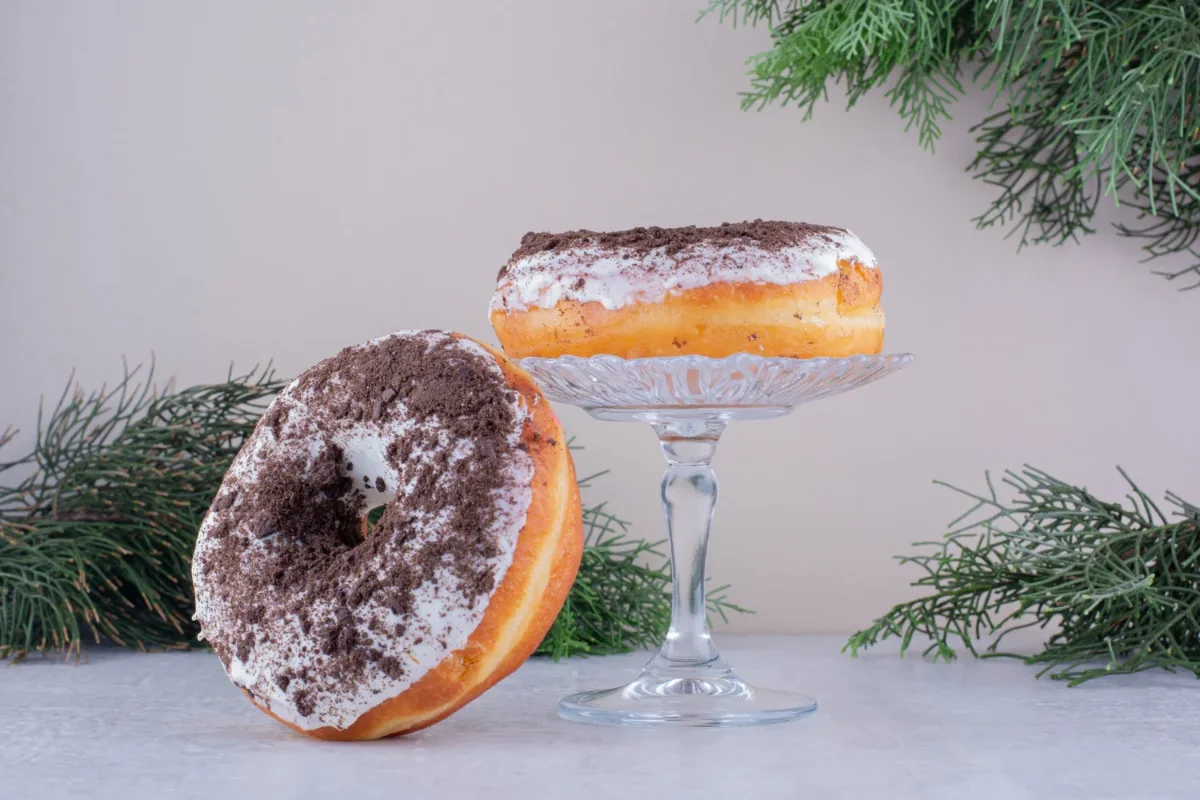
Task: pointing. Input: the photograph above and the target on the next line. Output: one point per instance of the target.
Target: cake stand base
(700, 697)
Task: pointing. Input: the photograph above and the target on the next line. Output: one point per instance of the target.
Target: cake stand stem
(687, 682)
(689, 496)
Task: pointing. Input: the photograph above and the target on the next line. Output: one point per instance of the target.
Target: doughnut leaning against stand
(344, 633)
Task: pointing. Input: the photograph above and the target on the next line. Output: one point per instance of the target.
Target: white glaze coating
(442, 619)
(621, 276)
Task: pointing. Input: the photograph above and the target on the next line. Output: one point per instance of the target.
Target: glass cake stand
(689, 400)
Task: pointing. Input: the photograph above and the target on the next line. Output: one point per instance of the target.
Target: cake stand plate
(689, 400)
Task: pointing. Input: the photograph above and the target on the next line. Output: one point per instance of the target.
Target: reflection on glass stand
(689, 400)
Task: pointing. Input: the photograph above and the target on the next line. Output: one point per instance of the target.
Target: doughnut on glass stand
(689, 400)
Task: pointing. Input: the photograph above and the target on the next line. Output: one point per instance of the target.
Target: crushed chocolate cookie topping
(764, 234)
(647, 265)
(370, 383)
(286, 556)
(276, 417)
(294, 497)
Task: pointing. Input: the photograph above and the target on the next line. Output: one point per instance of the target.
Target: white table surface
(128, 725)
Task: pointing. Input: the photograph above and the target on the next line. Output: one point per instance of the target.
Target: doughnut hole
(365, 463)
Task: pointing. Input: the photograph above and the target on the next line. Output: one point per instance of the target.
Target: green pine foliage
(96, 540)
(1092, 98)
(98, 523)
(1117, 584)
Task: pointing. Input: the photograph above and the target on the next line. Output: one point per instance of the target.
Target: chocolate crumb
(225, 500)
(303, 702)
(380, 485)
(392, 667)
(276, 417)
(762, 234)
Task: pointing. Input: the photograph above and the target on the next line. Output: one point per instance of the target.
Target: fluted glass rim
(692, 381)
(737, 358)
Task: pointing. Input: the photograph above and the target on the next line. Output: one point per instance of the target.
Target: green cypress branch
(1119, 582)
(96, 539)
(1093, 99)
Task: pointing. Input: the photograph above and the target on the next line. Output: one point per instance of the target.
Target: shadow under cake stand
(689, 400)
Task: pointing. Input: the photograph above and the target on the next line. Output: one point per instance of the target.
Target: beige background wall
(235, 181)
